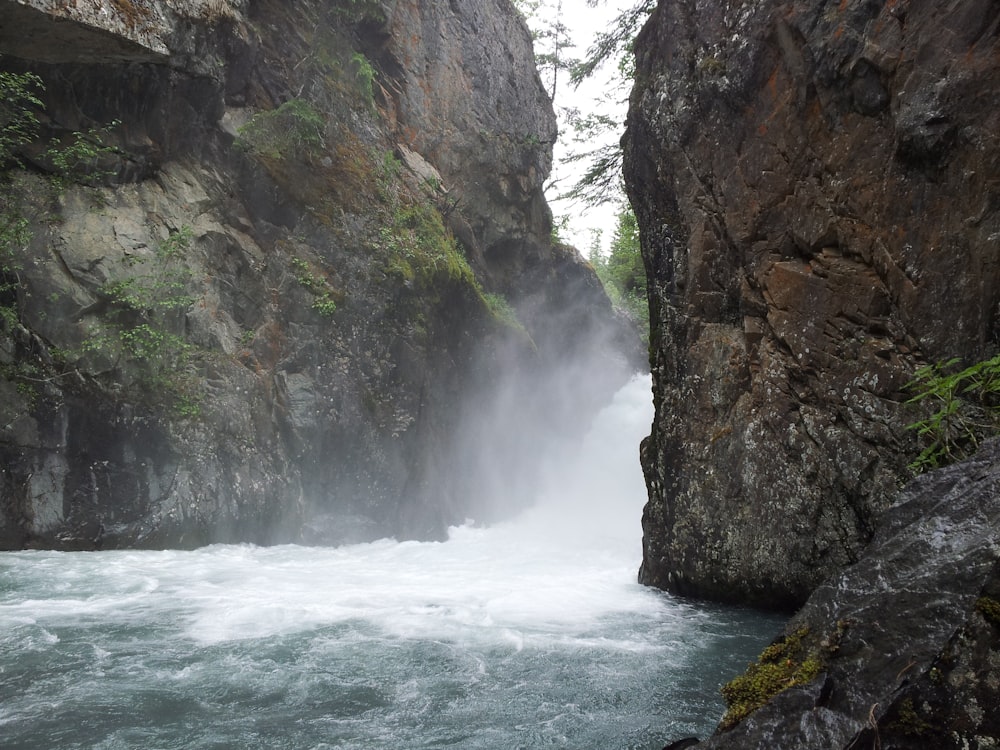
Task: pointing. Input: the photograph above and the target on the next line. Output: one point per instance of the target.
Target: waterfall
(530, 633)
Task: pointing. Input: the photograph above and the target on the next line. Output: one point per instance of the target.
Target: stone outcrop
(907, 641)
(301, 285)
(816, 190)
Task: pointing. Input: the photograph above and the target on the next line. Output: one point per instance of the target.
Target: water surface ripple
(529, 634)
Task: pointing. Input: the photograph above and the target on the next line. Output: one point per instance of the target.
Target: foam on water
(527, 634)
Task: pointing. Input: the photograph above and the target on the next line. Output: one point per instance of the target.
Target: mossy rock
(908, 721)
(784, 664)
(989, 608)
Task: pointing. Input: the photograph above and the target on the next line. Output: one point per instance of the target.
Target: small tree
(596, 136)
(18, 126)
(552, 41)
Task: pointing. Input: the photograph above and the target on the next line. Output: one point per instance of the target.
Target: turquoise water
(529, 634)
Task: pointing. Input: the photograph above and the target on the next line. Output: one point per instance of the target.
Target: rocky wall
(816, 190)
(265, 306)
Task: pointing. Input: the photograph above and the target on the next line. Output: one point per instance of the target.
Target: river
(529, 634)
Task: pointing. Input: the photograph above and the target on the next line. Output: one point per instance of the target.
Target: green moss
(502, 312)
(989, 608)
(420, 248)
(784, 664)
(713, 67)
(358, 11)
(908, 722)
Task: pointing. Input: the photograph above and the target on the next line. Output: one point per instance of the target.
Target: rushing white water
(528, 634)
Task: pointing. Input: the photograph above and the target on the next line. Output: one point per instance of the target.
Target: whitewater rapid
(531, 633)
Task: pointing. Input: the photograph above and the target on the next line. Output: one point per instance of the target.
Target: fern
(964, 409)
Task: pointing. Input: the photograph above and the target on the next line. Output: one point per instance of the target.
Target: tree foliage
(295, 129)
(72, 158)
(596, 136)
(19, 101)
(623, 272)
(616, 43)
(140, 309)
(552, 41)
(592, 137)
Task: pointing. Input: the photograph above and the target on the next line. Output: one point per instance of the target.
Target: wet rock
(249, 322)
(909, 637)
(814, 192)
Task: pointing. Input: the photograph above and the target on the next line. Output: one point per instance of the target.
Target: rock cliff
(904, 646)
(283, 272)
(816, 187)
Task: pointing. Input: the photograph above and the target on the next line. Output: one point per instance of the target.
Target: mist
(532, 632)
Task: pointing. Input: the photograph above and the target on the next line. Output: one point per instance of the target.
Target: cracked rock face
(816, 189)
(361, 314)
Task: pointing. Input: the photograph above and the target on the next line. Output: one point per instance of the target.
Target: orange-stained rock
(817, 189)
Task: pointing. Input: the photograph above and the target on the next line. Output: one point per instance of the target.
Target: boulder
(906, 642)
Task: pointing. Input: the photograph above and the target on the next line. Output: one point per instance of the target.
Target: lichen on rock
(819, 220)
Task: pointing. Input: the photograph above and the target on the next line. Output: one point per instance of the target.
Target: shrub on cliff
(18, 127)
(72, 158)
(18, 122)
(294, 128)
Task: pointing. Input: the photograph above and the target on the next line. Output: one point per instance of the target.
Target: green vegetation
(551, 39)
(74, 158)
(162, 287)
(391, 165)
(19, 94)
(419, 246)
(13, 233)
(358, 11)
(623, 272)
(324, 303)
(18, 127)
(560, 225)
(593, 137)
(420, 250)
(501, 309)
(77, 158)
(137, 327)
(964, 409)
(412, 234)
(364, 74)
(615, 43)
(908, 722)
(784, 664)
(295, 128)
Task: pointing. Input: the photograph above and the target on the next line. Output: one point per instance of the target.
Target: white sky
(584, 23)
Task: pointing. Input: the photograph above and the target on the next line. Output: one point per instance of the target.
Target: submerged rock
(815, 189)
